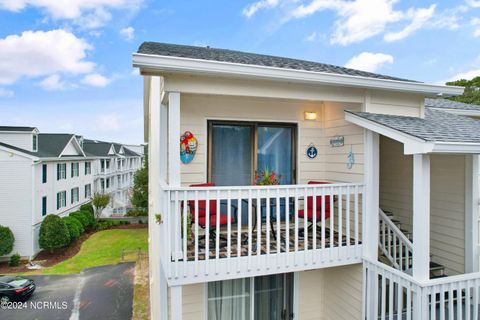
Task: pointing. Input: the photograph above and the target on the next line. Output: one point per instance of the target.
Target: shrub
(14, 260)
(73, 227)
(87, 207)
(53, 233)
(138, 212)
(81, 217)
(90, 218)
(6, 240)
(79, 225)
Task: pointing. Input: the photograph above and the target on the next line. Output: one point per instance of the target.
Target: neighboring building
(400, 181)
(45, 173)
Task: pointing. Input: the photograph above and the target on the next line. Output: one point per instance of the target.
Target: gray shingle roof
(96, 148)
(449, 104)
(18, 149)
(437, 126)
(224, 55)
(52, 144)
(13, 128)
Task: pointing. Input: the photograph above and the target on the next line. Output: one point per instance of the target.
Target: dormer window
(35, 143)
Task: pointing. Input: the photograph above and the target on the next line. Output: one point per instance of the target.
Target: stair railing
(394, 244)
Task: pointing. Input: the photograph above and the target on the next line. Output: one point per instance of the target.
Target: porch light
(310, 115)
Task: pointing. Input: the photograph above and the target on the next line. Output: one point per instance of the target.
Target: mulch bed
(47, 259)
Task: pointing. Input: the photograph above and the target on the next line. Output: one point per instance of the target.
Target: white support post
(421, 217)
(176, 302)
(371, 206)
(174, 138)
(471, 213)
(371, 196)
(421, 229)
(158, 289)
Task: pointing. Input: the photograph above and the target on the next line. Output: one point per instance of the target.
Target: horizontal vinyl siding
(386, 102)
(16, 200)
(447, 204)
(311, 293)
(343, 293)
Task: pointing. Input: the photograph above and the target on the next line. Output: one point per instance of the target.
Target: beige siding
(193, 302)
(311, 295)
(447, 208)
(343, 293)
(385, 102)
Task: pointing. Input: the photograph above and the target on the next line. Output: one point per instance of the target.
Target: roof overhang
(151, 64)
(411, 144)
(18, 152)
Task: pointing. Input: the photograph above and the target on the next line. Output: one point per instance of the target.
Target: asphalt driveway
(98, 293)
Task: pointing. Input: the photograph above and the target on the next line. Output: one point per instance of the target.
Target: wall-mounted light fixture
(310, 115)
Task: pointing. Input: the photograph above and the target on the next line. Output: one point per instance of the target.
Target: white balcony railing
(257, 230)
(392, 294)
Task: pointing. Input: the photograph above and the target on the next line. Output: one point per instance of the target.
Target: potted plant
(267, 178)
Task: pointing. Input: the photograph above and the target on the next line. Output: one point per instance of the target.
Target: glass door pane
(231, 154)
(273, 297)
(275, 151)
(229, 299)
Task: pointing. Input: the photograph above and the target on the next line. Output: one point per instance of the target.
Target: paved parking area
(98, 293)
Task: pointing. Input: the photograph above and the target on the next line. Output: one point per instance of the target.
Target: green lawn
(102, 248)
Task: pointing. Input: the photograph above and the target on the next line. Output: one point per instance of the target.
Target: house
(376, 214)
(49, 173)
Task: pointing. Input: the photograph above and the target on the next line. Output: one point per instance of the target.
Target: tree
(140, 188)
(53, 233)
(6, 240)
(472, 90)
(100, 201)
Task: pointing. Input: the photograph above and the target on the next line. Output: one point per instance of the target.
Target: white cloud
(4, 93)
(368, 61)
(475, 22)
(252, 8)
(53, 83)
(108, 122)
(42, 53)
(468, 75)
(474, 3)
(85, 13)
(96, 80)
(128, 33)
(358, 20)
(419, 17)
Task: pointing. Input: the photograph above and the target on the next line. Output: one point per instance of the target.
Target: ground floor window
(259, 298)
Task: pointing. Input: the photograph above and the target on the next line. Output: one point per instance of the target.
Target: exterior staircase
(395, 247)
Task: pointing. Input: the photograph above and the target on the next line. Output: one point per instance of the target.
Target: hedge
(90, 217)
(53, 233)
(87, 207)
(6, 240)
(73, 227)
(82, 218)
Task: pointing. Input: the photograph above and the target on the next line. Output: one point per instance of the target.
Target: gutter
(168, 64)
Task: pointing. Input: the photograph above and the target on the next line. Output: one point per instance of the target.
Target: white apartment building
(46, 173)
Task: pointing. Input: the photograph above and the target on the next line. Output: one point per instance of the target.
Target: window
(88, 168)
(74, 195)
(236, 150)
(61, 199)
(232, 299)
(74, 169)
(107, 164)
(119, 165)
(108, 183)
(35, 142)
(44, 206)
(61, 171)
(102, 165)
(102, 185)
(88, 190)
(44, 173)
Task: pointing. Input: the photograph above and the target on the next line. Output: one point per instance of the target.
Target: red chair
(213, 212)
(318, 206)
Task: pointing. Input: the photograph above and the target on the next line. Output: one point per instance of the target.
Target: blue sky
(65, 66)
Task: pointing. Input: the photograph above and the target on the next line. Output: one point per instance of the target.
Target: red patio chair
(318, 206)
(213, 212)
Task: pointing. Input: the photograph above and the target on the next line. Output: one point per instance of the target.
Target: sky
(66, 65)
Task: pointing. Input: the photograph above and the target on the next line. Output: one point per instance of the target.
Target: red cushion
(319, 198)
(202, 204)
(301, 213)
(202, 221)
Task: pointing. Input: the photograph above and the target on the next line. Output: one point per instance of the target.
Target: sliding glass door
(260, 298)
(239, 149)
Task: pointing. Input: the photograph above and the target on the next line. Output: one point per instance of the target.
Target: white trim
(176, 303)
(413, 145)
(461, 112)
(77, 144)
(174, 138)
(471, 213)
(159, 63)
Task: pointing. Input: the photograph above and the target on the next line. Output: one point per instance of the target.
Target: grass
(102, 248)
(141, 291)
